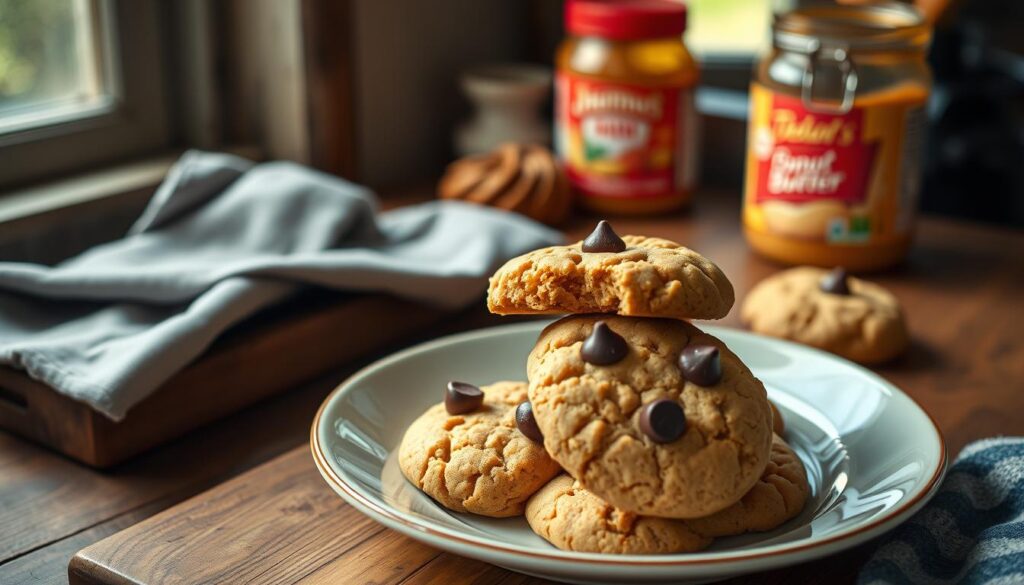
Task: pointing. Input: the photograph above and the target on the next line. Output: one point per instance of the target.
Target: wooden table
(279, 523)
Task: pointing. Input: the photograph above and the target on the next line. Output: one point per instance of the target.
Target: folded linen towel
(221, 239)
(972, 531)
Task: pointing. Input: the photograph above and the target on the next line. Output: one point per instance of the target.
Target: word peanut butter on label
(620, 140)
(837, 177)
(804, 156)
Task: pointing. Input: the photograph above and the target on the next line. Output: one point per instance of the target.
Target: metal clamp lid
(840, 56)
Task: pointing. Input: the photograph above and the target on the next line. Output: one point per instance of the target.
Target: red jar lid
(625, 19)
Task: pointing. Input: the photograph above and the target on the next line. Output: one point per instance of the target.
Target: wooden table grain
(279, 523)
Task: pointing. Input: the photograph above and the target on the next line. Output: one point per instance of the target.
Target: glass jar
(625, 127)
(836, 134)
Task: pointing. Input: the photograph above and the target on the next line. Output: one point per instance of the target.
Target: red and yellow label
(838, 178)
(621, 140)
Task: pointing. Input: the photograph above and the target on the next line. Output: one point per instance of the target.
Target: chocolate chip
(603, 239)
(663, 420)
(835, 282)
(701, 364)
(527, 424)
(460, 398)
(603, 347)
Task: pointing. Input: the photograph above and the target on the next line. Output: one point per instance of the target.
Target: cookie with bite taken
(633, 276)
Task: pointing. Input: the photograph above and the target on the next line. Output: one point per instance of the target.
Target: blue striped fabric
(971, 532)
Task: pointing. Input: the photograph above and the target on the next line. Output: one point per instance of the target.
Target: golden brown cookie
(567, 515)
(778, 496)
(651, 277)
(865, 325)
(591, 417)
(571, 518)
(477, 462)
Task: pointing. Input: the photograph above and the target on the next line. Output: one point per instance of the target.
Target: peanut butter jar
(625, 127)
(836, 134)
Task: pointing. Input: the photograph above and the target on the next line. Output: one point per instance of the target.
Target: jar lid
(625, 19)
(880, 25)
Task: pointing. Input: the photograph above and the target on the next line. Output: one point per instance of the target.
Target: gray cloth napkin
(221, 239)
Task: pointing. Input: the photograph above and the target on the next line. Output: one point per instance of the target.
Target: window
(727, 36)
(728, 28)
(51, 61)
(80, 85)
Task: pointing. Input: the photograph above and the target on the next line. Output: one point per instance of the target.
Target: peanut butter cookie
(568, 516)
(847, 316)
(477, 461)
(634, 276)
(779, 495)
(653, 416)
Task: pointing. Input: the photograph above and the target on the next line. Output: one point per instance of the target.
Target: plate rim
(776, 553)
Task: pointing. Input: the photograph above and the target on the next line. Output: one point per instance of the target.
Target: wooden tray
(277, 349)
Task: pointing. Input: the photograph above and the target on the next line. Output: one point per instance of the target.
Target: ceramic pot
(507, 101)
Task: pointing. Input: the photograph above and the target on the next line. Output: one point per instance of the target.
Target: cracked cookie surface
(568, 516)
(477, 462)
(779, 495)
(866, 326)
(652, 277)
(589, 416)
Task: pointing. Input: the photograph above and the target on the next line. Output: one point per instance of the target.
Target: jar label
(839, 177)
(620, 140)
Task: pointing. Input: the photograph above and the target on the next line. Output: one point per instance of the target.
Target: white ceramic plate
(873, 458)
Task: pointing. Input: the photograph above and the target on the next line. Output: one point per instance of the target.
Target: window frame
(132, 121)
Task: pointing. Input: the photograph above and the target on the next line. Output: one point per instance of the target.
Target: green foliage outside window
(38, 60)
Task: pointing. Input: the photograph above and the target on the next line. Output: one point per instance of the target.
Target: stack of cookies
(636, 432)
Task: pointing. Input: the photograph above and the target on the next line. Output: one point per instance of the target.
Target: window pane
(728, 26)
(50, 60)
